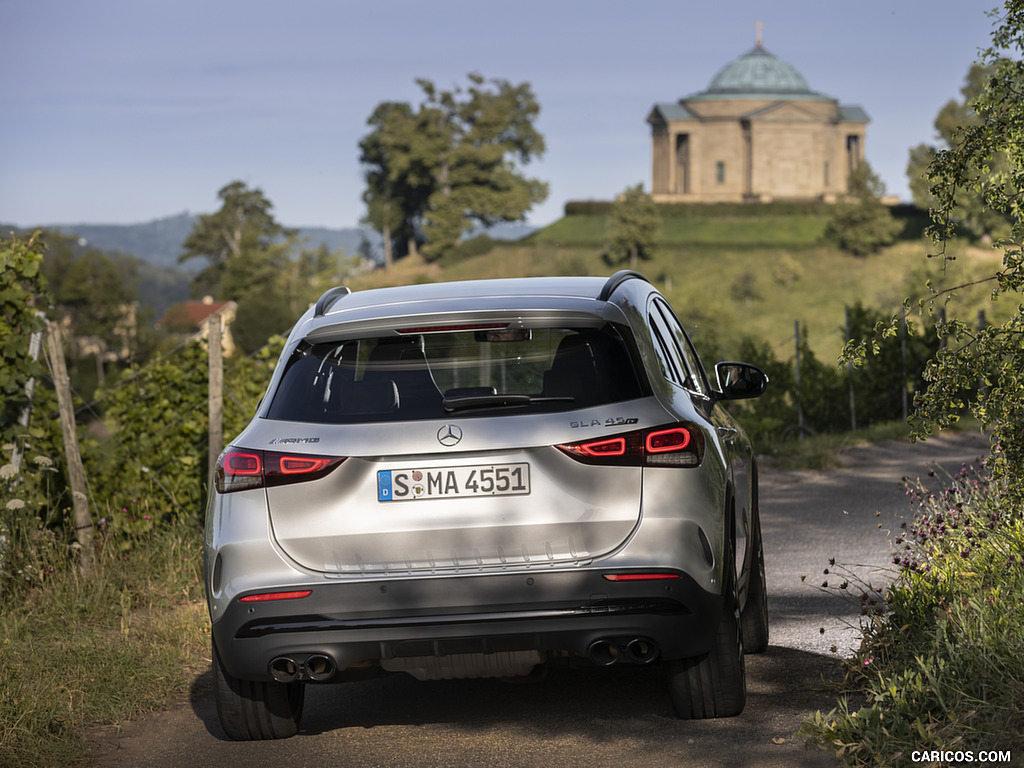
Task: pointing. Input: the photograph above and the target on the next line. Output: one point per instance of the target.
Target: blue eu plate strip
(384, 485)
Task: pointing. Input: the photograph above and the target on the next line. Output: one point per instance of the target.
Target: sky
(126, 111)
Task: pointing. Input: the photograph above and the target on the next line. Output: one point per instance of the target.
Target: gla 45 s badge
(614, 421)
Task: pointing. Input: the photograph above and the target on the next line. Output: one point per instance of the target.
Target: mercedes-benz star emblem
(449, 435)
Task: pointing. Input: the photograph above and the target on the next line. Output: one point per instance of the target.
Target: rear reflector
(640, 576)
(269, 596)
(673, 445)
(241, 469)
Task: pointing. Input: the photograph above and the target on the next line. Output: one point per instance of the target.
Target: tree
(453, 163)
(259, 317)
(862, 224)
(984, 164)
(96, 294)
(95, 291)
(953, 117)
(396, 188)
(479, 141)
(633, 227)
(238, 241)
(261, 265)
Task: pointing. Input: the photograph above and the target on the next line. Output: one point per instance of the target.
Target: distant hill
(159, 242)
(163, 281)
(156, 242)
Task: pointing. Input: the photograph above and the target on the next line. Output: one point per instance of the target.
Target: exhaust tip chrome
(320, 667)
(641, 650)
(603, 653)
(284, 670)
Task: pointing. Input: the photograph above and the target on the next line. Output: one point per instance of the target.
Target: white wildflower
(43, 461)
(14, 504)
(8, 471)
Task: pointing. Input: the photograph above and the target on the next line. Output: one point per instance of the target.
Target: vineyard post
(215, 405)
(76, 472)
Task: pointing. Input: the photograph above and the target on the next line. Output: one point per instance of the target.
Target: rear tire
(251, 710)
(754, 619)
(715, 684)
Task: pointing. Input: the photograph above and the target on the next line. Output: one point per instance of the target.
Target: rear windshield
(466, 372)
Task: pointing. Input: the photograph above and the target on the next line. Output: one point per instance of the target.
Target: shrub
(774, 416)
(941, 665)
(862, 224)
(157, 417)
(881, 376)
(716, 210)
(765, 418)
(23, 296)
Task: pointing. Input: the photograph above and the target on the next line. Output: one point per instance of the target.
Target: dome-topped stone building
(758, 133)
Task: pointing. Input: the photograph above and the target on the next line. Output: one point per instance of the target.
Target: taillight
(301, 465)
(240, 469)
(675, 445)
(668, 440)
(613, 447)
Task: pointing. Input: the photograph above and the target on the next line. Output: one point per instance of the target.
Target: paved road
(612, 717)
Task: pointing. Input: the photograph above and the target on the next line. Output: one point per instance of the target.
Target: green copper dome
(758, 74)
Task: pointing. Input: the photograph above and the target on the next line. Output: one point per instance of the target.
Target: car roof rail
(330, 296)
(618, 279)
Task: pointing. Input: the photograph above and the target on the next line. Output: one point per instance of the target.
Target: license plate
(453, 482)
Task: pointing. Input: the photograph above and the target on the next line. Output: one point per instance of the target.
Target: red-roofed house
(190, 318)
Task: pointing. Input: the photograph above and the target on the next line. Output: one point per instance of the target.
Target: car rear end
(463, 486)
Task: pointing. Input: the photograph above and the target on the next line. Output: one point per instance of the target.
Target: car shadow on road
(623, 709)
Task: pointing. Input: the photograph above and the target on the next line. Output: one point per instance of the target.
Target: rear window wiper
(467, 402)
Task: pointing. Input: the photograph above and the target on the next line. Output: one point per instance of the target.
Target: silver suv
(476, 479)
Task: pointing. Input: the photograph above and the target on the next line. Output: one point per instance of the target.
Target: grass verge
(822, 451)
(79, 651)
(941, 665)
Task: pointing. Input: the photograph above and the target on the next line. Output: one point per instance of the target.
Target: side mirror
(739, 381)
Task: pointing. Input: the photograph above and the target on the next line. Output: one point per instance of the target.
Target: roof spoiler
(330, 296)
(618, 279)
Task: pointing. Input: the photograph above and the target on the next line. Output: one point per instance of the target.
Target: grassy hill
(736, 273)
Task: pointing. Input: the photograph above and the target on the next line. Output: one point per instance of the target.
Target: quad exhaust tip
(637, 650)
(317, 667)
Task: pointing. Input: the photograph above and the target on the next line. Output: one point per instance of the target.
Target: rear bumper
(358, 624)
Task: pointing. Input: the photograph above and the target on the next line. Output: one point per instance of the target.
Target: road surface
(609, 717)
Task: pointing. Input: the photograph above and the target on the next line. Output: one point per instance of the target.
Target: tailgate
(456, 512)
